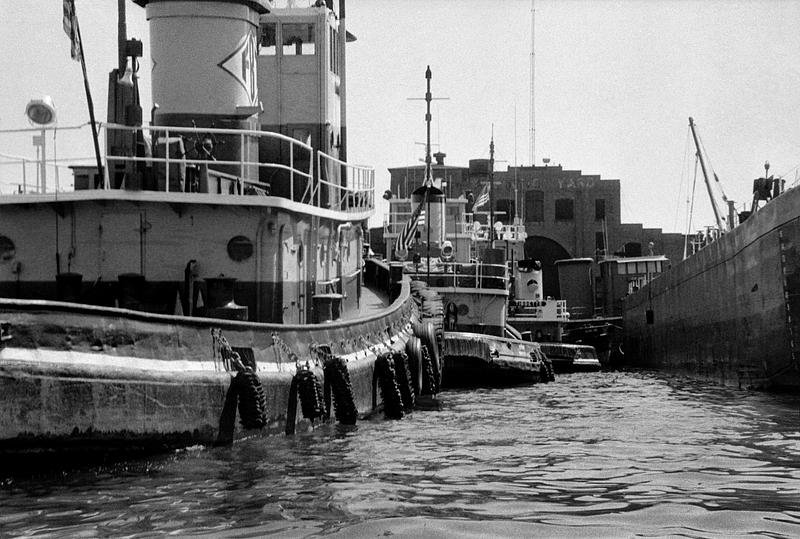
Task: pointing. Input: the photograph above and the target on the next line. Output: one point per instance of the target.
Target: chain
(222, 349)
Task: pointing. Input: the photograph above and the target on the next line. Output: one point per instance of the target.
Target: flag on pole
(406, 236)
(70, 22)
(482, 199)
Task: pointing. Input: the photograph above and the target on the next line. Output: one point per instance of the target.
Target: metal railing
(460, 275)
(175, 159)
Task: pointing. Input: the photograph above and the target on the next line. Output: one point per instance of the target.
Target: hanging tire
(544, 376)
(311, 401)
(429, 373)
(390, 393)
(343, 402)
(252, 402)
(415, 364)
(403, 377)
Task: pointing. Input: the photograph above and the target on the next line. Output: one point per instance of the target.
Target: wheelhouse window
(565, 210)
(298, 39)
(268, 44)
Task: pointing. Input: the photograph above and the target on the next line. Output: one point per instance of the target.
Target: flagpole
(89, 102)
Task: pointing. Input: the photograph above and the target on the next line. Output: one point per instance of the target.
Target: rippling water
(604, 454)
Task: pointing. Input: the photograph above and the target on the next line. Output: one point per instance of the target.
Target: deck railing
(459, 275)
(194, 160)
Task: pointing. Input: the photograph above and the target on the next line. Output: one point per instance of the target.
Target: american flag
(483, 198)
(406, 236)
(70, 22)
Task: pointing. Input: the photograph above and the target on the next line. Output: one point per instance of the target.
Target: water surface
(601, 454)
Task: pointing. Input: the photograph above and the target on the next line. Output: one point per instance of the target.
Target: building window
(268, 43)
(565, 210)
(534, 205)
(298, 39)
(599, 209)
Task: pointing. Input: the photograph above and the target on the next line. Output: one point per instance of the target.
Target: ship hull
(477, 360)
(731, 312)
(78, 379)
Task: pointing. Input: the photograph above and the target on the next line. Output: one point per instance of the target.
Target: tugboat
(471, 276)
(209, 266)
(544, 320)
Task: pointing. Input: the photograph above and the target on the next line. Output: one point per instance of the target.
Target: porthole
(240, 248)
(7, 249)
(463, 309)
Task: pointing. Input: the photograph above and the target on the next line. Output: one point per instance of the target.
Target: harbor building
(566, 214)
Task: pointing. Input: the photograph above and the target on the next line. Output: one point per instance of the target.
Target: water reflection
(597, 454)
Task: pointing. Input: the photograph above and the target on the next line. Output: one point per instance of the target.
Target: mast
(491, 189)
(705, 176)
(533, 87)
(428, 179)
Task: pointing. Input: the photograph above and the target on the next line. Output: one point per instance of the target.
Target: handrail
(302, 177)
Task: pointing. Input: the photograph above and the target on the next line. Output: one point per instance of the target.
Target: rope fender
(390, 393)
(344, 406)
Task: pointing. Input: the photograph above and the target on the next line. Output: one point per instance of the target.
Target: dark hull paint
(77, 378)
(476, 360)
(731, 312)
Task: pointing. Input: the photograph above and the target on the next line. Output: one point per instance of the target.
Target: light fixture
(41, 112)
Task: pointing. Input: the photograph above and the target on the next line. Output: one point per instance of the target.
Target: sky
(615, 83)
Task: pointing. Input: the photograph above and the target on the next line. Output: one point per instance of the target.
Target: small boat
(204, 275)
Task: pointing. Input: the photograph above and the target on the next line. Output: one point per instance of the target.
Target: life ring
(403, 377)
(337, 380)
(390, 393)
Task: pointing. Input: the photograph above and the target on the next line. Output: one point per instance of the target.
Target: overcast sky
(615, 84)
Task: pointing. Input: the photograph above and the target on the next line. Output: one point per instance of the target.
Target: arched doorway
(546, 251)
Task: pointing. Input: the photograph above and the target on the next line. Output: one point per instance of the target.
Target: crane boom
(705, 176)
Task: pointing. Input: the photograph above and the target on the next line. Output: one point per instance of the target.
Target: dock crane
(721, 224)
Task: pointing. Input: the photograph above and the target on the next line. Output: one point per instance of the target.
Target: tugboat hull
(77, 378)
(472, 359)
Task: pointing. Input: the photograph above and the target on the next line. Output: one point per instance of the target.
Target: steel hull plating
(729, 313)
(75, 378)
(472, 359)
